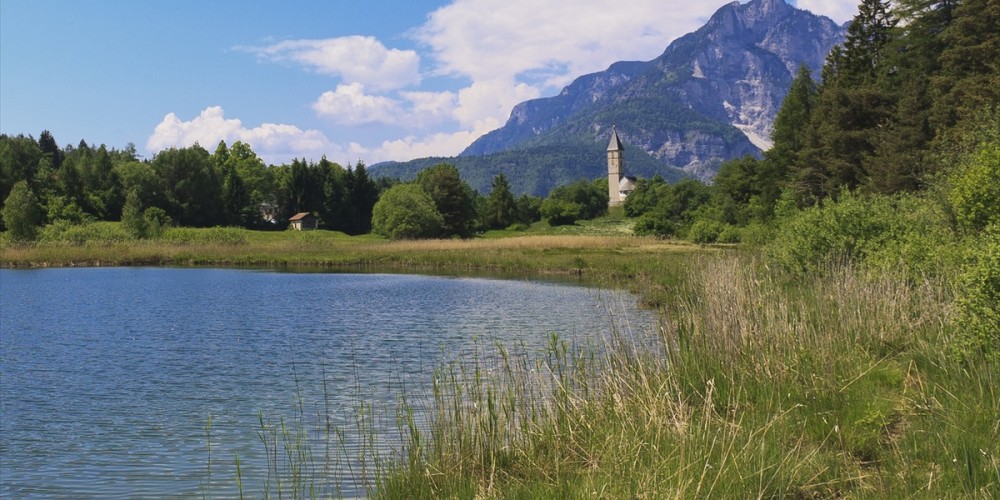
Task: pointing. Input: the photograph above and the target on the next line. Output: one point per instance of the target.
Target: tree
(454, 199)
(19, 157)
(49, 147)
(21, 213)
(192, 189)
(792, 119)
(969, 80)
(902, 157)
(132, 219)
(406, 211)
(850, 108)
(363, 194)
(501, 207)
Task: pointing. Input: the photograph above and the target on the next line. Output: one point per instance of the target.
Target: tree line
(183, 186)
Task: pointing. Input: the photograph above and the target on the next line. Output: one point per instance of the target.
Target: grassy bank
(837, 386)
(598, 249)
(837, 383)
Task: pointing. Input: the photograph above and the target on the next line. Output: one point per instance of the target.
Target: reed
(757, 385)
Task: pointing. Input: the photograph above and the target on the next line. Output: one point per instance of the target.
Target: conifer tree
(969, 80)
(849, 110)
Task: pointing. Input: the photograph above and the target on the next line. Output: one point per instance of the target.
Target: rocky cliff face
(711, 96)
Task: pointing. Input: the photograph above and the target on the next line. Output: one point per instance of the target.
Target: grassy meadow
(760, 383)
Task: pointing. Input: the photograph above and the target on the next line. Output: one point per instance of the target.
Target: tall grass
(757, 386)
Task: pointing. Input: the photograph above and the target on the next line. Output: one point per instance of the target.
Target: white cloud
(430, 108)
(488, 103)
(540, 42)
(440, 144)
(275, 143)
(840, 11)
(355, 59)
(350, 105)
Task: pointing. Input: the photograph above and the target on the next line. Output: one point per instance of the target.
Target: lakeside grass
(836, 386)
(759, 384)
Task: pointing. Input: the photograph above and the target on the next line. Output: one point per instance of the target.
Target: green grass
(839, 386)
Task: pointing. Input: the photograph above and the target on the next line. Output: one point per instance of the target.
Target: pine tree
(792, 119)
(501, 207)
(969, 80)
(849, 110)
(902, 156)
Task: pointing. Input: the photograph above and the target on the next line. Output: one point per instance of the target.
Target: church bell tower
(615, 171)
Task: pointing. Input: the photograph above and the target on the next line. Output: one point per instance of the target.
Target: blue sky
(370, 81)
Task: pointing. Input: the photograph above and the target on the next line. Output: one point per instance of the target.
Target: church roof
(616, 143)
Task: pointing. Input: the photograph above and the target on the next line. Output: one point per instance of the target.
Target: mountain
(711, 96)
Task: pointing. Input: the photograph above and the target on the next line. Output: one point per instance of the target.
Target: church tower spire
(615, 168)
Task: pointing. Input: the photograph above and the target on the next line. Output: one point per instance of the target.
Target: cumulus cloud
(355, 59)
(537, 40)
(438, 144)
(350, 105)
(487, 103)
(840, 11)
(273, 142)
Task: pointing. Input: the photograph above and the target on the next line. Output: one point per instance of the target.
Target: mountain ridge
(711, 96)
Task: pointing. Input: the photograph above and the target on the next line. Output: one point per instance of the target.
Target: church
(619, 185)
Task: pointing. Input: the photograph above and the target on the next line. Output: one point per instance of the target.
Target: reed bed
(756, 386)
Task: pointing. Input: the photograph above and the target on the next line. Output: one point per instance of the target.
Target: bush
(582, 200)
(730, 234)
(651, 225)
(975, 193)
(905, 233)
(979, 295)
(560, 212)
(705, 231)
(406, 211)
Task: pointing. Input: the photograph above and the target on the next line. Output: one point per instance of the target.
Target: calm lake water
(123, 382)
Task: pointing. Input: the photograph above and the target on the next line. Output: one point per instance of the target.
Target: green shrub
(979, 295)
(406, 211)
(705, 231)
(975, 185)
(730, 234)
(894, 233)
(757, 234)
(652, 225)
(560, 212)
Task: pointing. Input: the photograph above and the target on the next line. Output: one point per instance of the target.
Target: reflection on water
(124, 381)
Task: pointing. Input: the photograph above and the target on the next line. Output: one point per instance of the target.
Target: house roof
(627, 184)
(616, 143)
(300, 216)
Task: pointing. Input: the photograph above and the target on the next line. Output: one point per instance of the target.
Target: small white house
(303, 221)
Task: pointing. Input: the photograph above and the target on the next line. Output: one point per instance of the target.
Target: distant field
(587, 247)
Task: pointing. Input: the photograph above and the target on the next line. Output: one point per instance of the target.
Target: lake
(147, 382)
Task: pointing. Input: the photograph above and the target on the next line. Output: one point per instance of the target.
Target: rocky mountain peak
(711, 96)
